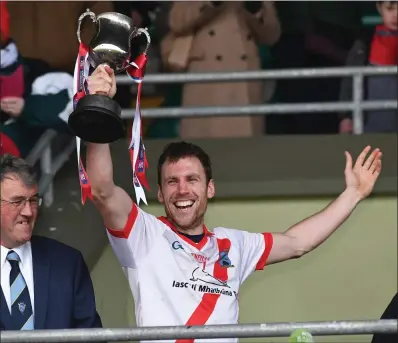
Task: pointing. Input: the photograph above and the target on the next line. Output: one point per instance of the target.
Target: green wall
(352, 276)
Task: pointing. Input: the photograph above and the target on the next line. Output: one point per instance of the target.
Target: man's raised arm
(313, 231)
(112, 201)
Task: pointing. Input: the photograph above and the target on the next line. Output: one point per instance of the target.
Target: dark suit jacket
(63, 291)
(391, 312)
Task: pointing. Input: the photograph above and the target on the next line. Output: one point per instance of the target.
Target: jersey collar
(199, 245)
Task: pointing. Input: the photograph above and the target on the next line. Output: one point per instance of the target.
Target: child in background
(378, 49)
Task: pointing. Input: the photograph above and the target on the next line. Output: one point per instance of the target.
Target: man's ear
(160, 195)
(211, 189)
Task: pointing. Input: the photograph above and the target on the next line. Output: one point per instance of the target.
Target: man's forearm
(100, 169)
(311, 232)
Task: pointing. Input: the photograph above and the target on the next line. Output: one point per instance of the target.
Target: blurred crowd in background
(39, 49)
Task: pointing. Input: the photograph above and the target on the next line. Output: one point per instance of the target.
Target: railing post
(45, 166)
(357, 114)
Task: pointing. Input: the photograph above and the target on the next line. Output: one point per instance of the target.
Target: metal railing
(42, 150)
(49, 166)
(209, 331)
(357, 106)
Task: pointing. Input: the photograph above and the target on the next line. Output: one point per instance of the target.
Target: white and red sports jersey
(177, 282)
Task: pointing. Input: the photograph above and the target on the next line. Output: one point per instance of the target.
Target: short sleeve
(133, 243)
(256, 248)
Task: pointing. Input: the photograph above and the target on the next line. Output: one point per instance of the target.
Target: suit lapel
(41, 271)
(5, 317)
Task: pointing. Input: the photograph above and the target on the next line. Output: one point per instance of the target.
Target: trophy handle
(148, 38)
(80, 20)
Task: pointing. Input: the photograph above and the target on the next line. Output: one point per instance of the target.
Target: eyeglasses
(35, 201)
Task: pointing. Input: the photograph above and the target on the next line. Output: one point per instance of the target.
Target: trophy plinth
(97, 118)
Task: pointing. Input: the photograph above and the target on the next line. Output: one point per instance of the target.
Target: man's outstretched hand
(362, 177)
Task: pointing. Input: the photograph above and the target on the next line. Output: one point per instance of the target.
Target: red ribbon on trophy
(139, 163)
(80, 76)
(138, 158)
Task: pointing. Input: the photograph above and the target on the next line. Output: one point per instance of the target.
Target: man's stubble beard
(198, 220)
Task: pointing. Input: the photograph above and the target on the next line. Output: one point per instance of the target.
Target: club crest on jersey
(224, 260)
(21, 307)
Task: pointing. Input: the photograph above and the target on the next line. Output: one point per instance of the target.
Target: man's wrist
(352, 195)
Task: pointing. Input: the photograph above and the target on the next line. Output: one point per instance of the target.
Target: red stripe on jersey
(206, 307)
(268, 241)
(125, 233)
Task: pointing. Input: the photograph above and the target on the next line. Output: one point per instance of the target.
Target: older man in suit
(45, 284)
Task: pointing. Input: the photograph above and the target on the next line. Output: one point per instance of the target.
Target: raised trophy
(97, 118)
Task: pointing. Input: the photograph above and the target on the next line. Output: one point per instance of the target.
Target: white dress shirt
(26, 266)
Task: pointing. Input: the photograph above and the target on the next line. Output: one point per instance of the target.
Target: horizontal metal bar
(176, 112)
(209, 331)
(259, 75)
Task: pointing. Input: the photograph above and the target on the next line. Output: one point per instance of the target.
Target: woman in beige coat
(225, 37)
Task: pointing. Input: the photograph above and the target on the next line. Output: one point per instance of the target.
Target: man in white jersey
(181, 273)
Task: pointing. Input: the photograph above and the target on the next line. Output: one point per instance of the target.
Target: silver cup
(97, 118)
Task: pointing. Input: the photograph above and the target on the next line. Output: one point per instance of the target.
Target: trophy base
(97, 119)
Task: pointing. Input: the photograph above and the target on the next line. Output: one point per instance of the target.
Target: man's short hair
(11, 165)
(175, 151)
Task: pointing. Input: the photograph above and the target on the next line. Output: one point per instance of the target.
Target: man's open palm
(363, 175)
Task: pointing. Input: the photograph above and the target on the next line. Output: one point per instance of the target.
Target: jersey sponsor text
(203, 288)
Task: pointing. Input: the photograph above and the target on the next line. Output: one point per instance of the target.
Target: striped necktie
(21, 307)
